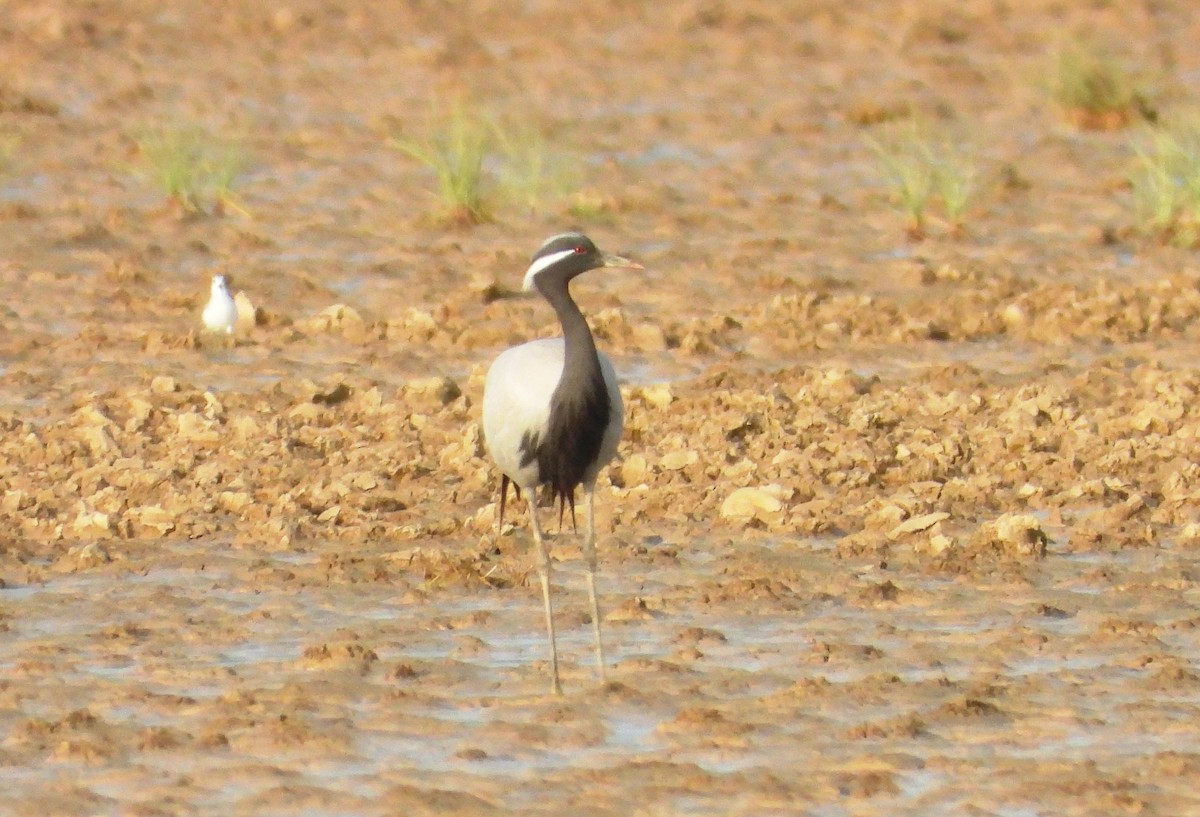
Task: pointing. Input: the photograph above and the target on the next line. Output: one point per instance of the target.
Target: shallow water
(480, 684)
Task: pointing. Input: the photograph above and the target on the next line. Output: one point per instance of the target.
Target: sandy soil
(896, 527)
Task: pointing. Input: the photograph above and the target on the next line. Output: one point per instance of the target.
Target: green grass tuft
(1165, 180)
(955, 181)
(481, 162)
(532, 172)
(456, 152)
(920, 171)
(904, 161)
(1094, 89)
(192, 167)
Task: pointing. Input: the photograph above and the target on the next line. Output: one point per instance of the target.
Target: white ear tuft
(544, 262)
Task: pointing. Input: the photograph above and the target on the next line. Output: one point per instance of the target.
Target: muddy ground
(897, 527)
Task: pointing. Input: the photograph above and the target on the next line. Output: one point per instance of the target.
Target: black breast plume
(579, 416)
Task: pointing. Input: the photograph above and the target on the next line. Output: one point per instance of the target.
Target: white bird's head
(566, 255)
(220, 285)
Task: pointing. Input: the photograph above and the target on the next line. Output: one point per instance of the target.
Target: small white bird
(220, 313)
(552, 412)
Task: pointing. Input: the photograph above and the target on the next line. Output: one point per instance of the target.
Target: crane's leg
(544, 571)
(589, 556)
(503, 496)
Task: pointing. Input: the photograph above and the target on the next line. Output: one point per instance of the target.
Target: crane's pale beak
(618, 261)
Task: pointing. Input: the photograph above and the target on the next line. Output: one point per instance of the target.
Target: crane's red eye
(580, 250)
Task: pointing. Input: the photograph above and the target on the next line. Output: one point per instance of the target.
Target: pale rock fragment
(678, 460)
(307, 411)
(431, 391)
(1013, 316)
(404, 557)
(1190, 534)
(151, 519)
(754, 502)
(234, 501)
(213, 408)
(15, 500)
(484, 520)
(364, 481)
(885, 516)
(916, 524)
(92, 525)
(91, 554)
(1156, 417)
(196, 428)
(658, 395)
(279, 533)
(84, 557)
(937, 542)
(649, 337)
(209, 473)
(338, 318)
(786, 456)
(94, 430)
(740, 471)
(414, 324)
(633, 470)
(99, 441)
(245, 427)
(247, 312)
(92, 416)
(1014, 534)
(1113, 516)
(463, 450)
(371, 400)
(139, 412)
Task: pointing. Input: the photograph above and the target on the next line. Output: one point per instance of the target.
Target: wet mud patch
(896, 527)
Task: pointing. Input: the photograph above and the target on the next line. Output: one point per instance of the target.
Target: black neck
(581, 363)
(579, 408)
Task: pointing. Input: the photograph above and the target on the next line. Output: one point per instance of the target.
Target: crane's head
(566, 255)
